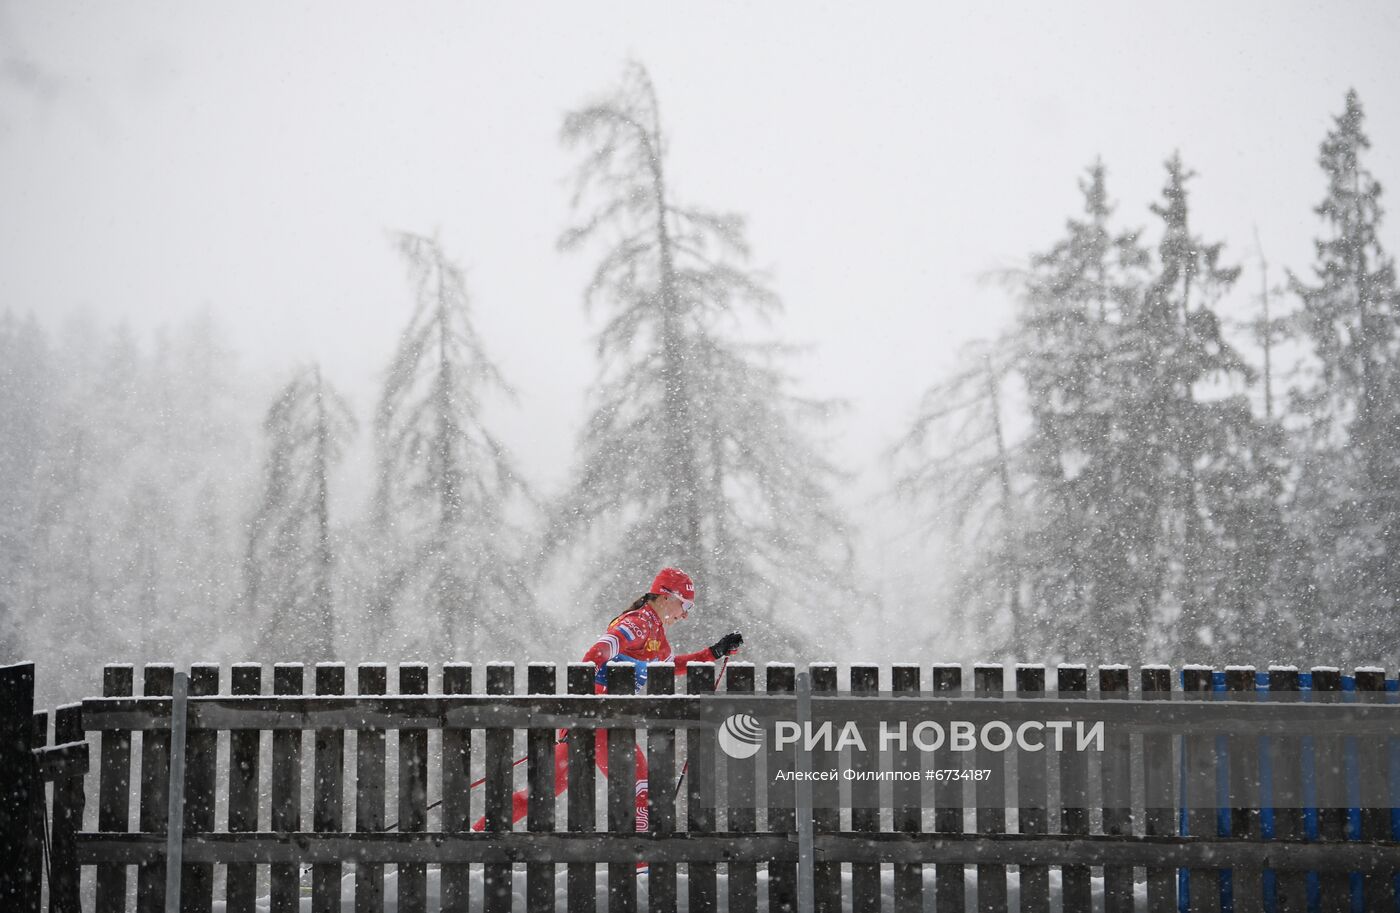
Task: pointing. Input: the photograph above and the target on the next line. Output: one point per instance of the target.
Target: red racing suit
(636, 636)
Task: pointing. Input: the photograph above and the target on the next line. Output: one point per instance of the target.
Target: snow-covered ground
(561, 884)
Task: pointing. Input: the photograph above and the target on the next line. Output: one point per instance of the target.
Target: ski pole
(719, 677)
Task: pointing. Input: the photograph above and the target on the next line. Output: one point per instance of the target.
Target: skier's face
(670, 609)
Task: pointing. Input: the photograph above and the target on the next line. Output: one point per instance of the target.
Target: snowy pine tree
(1083, 521)
(695, 452)
(289, 565)
(961, 472)
(1221, 467)
(1349, 491)
(443, 536)
(25, 384)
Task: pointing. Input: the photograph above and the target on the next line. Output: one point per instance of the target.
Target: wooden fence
(239, 766)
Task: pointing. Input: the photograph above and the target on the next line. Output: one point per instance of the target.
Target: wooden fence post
(540, 746)
(865, 795)
(287, 679)
(328, 792)
(1373, 761)
(158, 680)
(245, 760)
(1033, 797)
(781, 679)
(1285, 761)
(35, 852)
(370, 679)
(19, 787)
(1159, 791)
(68, 804)
(661, 768)
(700, 790)
(1200, 793)
(743, 802)
(826, 808)
(114, 791)
(1246, 882)
(948, 885)
(1116, 777)
(1072, 683)
(500, 746)
(908, 812)
(456, 791)
(622, 793)
(1331, 803)
(991, 796)
(582, 876)
(197, 878)
(413, 792)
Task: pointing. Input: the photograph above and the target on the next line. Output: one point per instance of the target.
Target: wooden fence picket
(456, 791)
(661, 769)
(540, 744)
(865, 813)
(948, 886)
(908, 813)
(114, 792)
(1072, 682)
(1246, 882)
(743, 802)
(1033, 796)
(1159, 791)
(370, 679)
(328, 792)
(1373, 762)
(582, 876)
(700, 791)
(287, 679)
(67, 819)
(32, 897)
(158, 680)
(781, 680)
(1285, 761)
(1330, 778)
(201, 754)
(1115, 777)
(413, 793)
(245, 751)
(826, 809)
(990, 796)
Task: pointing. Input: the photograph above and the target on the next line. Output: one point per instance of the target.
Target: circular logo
(740, 736)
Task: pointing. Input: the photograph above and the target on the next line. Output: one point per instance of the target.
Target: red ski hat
(677, 583)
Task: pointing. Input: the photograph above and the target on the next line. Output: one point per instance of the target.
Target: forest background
(238, 439)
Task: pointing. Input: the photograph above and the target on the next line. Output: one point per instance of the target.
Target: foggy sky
(162, 157)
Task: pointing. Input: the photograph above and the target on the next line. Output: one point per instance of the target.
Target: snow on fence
(1114, 824)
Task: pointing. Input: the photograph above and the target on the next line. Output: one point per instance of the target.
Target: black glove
(728, 645)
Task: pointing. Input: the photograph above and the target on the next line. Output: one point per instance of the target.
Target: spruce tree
(289, 564)
(1349, 493)
(443, 534)
(696, 452)
(1084, 519)
(962, 473)
(26, 381)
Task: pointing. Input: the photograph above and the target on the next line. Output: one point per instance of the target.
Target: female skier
(637, 636)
